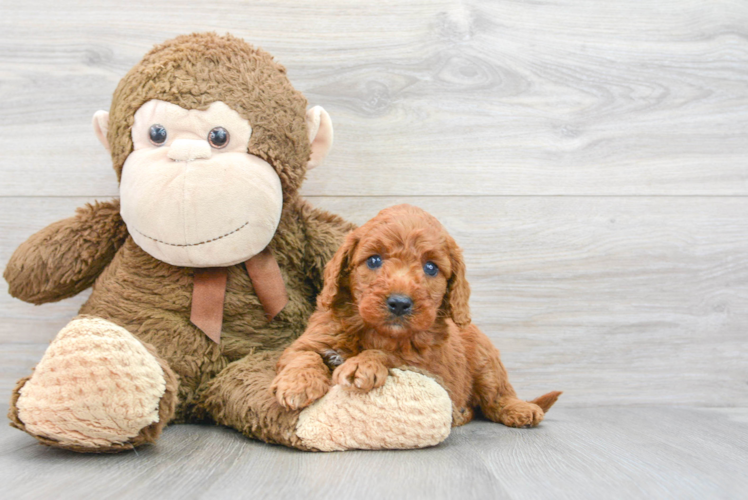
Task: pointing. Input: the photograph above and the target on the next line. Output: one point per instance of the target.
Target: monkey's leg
(410, 411)
(97, 389)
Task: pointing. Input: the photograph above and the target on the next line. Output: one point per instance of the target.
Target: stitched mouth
(194, 244)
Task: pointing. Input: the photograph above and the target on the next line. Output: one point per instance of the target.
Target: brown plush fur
(353, 323)
(152, 299)
(194, 71)
(36, 274)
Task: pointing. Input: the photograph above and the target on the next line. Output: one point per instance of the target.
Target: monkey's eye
(374, 262)
(218, 137)
(431, 269)
(157, 134)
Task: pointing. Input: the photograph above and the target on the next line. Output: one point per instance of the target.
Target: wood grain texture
(590, 158)
(575, 454)
(616, 299)
(447, 97)
(613, 300)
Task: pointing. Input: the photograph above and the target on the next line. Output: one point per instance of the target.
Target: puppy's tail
(546, 400)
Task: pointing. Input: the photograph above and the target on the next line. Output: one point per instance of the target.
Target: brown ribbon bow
(210, 290)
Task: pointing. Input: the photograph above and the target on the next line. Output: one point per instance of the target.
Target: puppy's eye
(430, 268)
(157, 134)
(374, 262)
(218, 137)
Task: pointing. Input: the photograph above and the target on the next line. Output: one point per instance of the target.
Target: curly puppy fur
(354, 324)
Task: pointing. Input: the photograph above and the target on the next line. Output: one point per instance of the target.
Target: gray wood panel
(448, 97)
(614, 300)
(590, 157)
(578, 453)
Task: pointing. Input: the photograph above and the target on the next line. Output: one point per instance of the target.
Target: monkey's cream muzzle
(189, 204)
(189, 150)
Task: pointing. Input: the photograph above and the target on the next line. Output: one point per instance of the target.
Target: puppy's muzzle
(399, 305)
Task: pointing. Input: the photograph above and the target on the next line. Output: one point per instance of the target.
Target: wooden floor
(610, 453)
(591, 157)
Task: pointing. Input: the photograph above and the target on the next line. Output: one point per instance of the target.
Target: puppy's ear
(337, 272)
(458, 290)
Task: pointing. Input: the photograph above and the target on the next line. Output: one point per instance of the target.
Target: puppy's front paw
(361, 373)
(520, 413)
(298, 388)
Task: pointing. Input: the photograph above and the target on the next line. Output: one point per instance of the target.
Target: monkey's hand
(65, 258)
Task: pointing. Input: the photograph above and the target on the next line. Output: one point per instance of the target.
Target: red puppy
(395, 295)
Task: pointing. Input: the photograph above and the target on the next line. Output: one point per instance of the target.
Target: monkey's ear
(101, 127)
(319, 125)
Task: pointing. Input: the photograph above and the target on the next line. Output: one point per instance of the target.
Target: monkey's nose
(399, 305)
(188, 150)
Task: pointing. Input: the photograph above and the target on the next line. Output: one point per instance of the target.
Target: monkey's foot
(410, 411)
(97, 389)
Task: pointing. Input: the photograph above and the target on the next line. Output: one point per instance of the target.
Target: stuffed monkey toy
(203, 271)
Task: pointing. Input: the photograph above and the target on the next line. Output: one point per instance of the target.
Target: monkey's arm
(324, 235)
(64, 258)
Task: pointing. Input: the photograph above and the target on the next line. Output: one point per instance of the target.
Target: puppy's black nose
(399, 305)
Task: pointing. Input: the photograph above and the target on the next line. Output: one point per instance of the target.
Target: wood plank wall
(591, 157)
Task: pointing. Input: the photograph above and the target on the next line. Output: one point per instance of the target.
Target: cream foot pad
(96, 385)
(409, 411)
